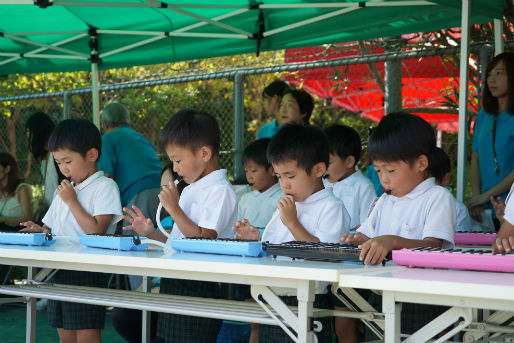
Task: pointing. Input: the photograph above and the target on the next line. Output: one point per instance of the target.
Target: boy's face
(270, 104)
(188, 164)
(339, 168)
(74, 166)
(399, 177)
(259, 178)
(296, 182)
(289, 111)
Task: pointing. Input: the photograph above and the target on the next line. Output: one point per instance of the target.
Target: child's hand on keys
(246, 231)
(503, 244)
(139, 223)
(375, 250)
(66, 192)
(31, 227)
(354, 238)
(287, 209)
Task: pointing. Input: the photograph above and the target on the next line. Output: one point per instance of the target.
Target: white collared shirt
(98, 195)
(357, 194)
(321, 214)
(509, 207)
(258, 207)
(210, 203)
(427, 211)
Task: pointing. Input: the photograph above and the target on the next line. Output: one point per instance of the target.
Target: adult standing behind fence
(492, 166)
(272, 96)
(130, 159)
(39, 128)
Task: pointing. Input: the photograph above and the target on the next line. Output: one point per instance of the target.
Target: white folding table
(461, 290)
(260, 273)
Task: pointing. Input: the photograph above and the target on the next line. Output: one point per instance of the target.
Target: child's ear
(349, 161)
(206, 153)
(92, 155)
(422, 163)
(319, 169)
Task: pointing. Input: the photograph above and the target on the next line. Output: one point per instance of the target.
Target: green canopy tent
(67, 35)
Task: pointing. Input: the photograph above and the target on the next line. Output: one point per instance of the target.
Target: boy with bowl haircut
(307, 212)
(86, 202)
(206, 208)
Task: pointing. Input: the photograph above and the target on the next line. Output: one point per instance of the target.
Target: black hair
(344, 141)
(277, 88)
(181, 184)
(401, 136)
(440, 164)
(78, 135)
(40, 128)
(489, 102)
(256, 152)
(192, 129)
(13, 177)
(307, 145)
(304, 100)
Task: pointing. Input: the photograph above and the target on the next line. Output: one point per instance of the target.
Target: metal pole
(498, 36)
(393, 84)
(463, 101)
(95, 94)
(238, 125)
(66, 107)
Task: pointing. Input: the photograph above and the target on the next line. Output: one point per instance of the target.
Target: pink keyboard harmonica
(474, 238)
(469, 259)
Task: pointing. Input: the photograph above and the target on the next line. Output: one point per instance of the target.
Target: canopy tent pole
(95, 95)
(498, 36)
(463, 100)
(238, 125)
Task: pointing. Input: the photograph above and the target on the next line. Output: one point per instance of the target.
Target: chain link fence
(153, 102)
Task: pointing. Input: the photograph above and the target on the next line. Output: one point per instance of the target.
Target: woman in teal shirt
(492, 164)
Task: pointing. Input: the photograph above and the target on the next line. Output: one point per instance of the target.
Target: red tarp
(423, 83)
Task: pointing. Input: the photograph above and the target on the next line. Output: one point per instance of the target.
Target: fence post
(238, 124)
(393, 82)
(66, 105)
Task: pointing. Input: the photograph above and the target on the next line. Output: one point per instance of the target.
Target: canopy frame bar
(348, 4)
(132, 46)
(213, 22)
(49, 47)
(32, 54)
(309, 21)
(173, 34)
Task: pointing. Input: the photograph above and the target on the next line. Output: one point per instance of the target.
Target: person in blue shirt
(131, 160)
(492, 164)
(272, 96)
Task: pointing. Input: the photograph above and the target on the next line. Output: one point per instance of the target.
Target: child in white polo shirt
(307, 211)
(413, 211)
(355, 191)
(206, 208)
(505, 238)
(86, 202)
(258, 206)
(347, 182)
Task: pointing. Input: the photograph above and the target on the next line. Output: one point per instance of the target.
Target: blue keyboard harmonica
(26, 238)
(219, 246)
(114, 242)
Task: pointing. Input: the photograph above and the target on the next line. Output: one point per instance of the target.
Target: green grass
(12, 326)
